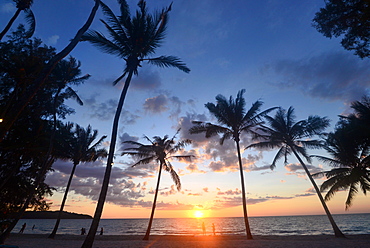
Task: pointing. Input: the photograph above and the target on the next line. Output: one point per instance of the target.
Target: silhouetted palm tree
(22, 5)
(79, 148)
(160, 150)
(289, 136)
(350, 158)
(234, 120)
(133, 40)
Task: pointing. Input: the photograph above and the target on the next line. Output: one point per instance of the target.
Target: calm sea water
(282, 225)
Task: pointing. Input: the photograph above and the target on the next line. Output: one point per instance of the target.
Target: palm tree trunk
(54, 232)
(10, 23)
(146, 237)
(104, 188)
(337, 231)
(13, 115)
(246, 221)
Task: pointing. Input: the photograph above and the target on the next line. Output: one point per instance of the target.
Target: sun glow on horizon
(198, 214)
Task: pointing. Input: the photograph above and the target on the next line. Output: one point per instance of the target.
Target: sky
(268, 47)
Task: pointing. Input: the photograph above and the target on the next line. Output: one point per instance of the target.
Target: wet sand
(172, 241)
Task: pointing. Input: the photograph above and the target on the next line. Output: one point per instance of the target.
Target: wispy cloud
(8, 8)
(331, 75)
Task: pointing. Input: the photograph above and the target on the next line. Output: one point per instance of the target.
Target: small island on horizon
(54, 215)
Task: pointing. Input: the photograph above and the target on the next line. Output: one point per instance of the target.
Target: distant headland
(53, 215)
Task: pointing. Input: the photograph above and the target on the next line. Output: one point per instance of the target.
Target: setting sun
(198, 214)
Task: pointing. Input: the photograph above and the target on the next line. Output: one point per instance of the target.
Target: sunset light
(198, 214)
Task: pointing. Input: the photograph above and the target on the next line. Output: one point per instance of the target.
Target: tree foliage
(24, 150)
(349, 19)
(349, 154)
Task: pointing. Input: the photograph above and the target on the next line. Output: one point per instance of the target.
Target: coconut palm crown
(133, 39)
(291, 137)
(160, 150)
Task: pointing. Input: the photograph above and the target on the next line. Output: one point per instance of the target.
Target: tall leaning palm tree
(81, 148)
(351, 161)
(160, 150)
(133, 40)
(22, 5)
(233, 120)
(289, 136)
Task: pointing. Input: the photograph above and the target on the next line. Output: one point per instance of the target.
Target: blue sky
(267, 47)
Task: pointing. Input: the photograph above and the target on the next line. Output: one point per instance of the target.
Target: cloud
(156, 104)
(172, 191)
(229, 192)
(297, 169)
(185, 122)
(52, 40)
(147, 80)
(193, 168)
(106, 110)
(8, 8)
(228, 202)
(162, 103)
(88, 178)
(331, 75)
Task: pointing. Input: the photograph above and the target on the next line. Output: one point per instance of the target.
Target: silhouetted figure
(33, 227)
(204, 228)
(214, 229)
(101, 231)
(83, 231)
(23, 227)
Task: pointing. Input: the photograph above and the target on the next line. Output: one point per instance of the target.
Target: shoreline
(177, 241)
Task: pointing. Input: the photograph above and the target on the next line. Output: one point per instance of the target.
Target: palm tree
(294, 137)
(79, 149)
(160, 150)
(348, 147)
(22, 5)
(132, 39)
(234, 120)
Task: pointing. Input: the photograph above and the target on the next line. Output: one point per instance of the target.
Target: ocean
(279, 225)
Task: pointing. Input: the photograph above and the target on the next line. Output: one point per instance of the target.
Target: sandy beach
(171, 241)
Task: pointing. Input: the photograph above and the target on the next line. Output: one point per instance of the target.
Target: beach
(177, 241)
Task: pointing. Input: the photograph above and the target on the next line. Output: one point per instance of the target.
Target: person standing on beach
(23, 227)
(204, 228)
(101, 231)
(83, 231)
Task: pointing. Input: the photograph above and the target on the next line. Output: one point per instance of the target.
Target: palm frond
(282, 152)
(72, 94)
(351, 194)
(31, 21)
(119, 78)
(329, 161)
(100, 41)
(125, 12)
(187, 158)
(169, 61)
(143, 161)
